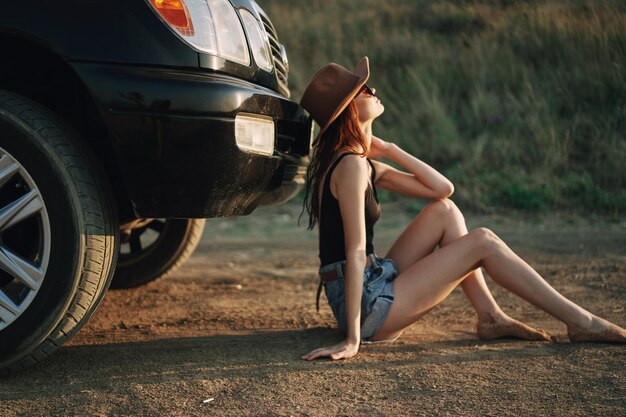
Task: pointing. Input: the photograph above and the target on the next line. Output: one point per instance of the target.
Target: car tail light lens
(254, 133)
(258, 40)
(215, 26)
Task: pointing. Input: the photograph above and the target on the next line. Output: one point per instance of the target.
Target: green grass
(522, 104)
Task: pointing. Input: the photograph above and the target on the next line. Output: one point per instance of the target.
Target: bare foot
(599, 330)
(496, 327)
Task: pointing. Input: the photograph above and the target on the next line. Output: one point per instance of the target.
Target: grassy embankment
(522, 104)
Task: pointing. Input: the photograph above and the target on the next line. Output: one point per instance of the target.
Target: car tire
(58, 251)
(171, 243)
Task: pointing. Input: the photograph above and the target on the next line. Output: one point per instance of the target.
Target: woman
(374, 299)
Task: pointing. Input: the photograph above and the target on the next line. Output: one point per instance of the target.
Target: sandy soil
(223, 336)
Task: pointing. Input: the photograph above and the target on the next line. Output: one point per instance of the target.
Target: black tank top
(331, 238)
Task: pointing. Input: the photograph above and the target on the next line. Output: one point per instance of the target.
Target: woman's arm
(351, 182)
(422, 180)
(351, 186)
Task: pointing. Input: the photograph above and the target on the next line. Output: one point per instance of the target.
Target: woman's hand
(378, 148)
(343, 350)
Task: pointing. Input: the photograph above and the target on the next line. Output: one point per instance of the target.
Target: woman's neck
(366, 128)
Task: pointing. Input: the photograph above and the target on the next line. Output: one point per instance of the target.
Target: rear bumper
(174, 137)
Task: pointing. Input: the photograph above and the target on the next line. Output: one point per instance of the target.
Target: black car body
(159, 114)
(122, 118)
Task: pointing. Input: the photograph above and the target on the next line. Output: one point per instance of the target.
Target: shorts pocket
(373, 275)
(390, 268)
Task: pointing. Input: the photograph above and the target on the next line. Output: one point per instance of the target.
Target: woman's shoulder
(352, 163)
(352, 169)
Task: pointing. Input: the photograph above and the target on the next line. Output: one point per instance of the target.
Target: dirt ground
(224, 334)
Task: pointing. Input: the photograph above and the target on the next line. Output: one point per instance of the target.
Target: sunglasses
(367, 91)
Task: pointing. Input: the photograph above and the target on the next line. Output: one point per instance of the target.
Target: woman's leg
(426, 283)
(441, 223)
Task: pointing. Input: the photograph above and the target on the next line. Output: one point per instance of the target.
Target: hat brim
(363, 71)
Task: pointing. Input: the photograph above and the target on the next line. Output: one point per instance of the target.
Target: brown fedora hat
(331, 89)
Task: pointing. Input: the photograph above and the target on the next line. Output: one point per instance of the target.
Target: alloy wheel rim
(25, 239)
(141, 242)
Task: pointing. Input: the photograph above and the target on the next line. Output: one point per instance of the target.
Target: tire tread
(97, 209)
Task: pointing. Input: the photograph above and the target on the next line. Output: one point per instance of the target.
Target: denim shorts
(376, 299)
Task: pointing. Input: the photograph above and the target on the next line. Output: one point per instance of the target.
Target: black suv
(123, 124)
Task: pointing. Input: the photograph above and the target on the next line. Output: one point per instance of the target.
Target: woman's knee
(446, 209)
(486, 240)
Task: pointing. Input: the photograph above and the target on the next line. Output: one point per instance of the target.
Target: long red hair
(344, 133)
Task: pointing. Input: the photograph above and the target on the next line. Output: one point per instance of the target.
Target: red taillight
(176, 14)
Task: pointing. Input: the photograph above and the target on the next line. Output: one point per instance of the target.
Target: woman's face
(368, 105)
